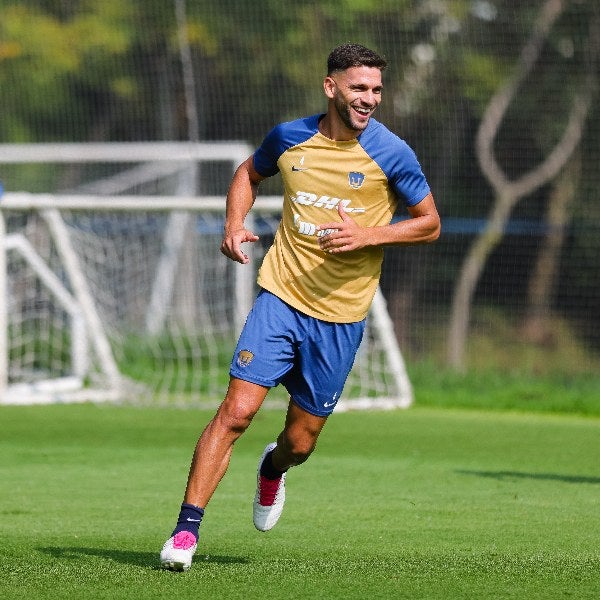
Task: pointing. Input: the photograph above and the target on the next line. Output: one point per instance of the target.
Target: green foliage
(481, 75)
(497, 344)
(41, 54)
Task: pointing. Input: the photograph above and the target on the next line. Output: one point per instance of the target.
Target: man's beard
(343, 110)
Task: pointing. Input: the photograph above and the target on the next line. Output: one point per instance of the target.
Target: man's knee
(241, 403)
(297, 446)
(234, 417)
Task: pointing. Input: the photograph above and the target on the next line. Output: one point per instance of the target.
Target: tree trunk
(470, 274)
(537, 324)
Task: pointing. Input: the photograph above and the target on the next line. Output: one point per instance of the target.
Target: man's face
(356, 93)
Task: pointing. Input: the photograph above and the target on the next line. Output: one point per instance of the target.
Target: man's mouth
(363, 112)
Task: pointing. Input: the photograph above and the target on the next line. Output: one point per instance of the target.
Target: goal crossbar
(26, 201)
(124, 152)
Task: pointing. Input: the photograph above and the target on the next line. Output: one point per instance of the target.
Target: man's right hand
(231, 244)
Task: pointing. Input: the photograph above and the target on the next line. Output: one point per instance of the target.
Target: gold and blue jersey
(368, 175)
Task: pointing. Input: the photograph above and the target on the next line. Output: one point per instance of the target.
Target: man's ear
(329, 87)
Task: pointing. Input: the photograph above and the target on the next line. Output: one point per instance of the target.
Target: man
(343, 175)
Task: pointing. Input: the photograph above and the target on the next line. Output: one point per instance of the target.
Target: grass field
(425, 503)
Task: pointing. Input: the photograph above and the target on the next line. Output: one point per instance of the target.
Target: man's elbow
(434, 231)
(430, 223)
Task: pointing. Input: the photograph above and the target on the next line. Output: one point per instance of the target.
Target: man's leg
(213, 450)
(298, 438)
(209, 464)
(294, 445)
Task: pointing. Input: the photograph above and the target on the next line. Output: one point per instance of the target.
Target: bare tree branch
(498, 105)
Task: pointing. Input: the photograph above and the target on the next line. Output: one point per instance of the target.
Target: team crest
(244, 358)
(355, 179)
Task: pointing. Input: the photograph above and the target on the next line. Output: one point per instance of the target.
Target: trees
(508, 192)
(49, 54)
(111, 70)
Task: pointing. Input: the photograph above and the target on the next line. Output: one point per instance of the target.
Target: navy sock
(268, 470)
(189, 519)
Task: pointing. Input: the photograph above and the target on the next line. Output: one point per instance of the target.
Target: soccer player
(343, 174)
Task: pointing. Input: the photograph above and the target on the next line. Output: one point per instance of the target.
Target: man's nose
(369, 98)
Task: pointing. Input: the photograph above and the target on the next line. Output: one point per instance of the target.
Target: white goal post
(115, 289)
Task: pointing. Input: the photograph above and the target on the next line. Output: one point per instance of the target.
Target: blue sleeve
(398, 161)
(281, 138)
(267, 155)
(407, 177)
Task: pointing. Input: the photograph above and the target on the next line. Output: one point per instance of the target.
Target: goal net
(116, 290)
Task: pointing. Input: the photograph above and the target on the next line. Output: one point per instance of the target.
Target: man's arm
(423, 227)
(240, 198)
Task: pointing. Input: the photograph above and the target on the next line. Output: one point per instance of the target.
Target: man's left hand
(342, 237)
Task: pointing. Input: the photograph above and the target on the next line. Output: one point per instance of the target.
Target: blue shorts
(310, 357)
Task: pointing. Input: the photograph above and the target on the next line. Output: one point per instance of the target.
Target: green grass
(426, 503)
(492, 389)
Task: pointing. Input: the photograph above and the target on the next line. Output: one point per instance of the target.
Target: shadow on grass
(502, 475)
(131, 557)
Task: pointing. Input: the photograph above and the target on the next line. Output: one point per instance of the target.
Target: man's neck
(335, 130)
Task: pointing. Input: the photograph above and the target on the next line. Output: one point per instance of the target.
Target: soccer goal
(115, 288)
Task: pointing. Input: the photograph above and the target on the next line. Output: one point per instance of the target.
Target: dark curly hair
(353, 55)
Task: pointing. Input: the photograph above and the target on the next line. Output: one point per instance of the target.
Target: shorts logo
(355, 179)
(244, 358)
(332, 403)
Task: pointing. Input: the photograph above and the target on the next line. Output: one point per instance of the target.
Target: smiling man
(344, 174)
(356, 93)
